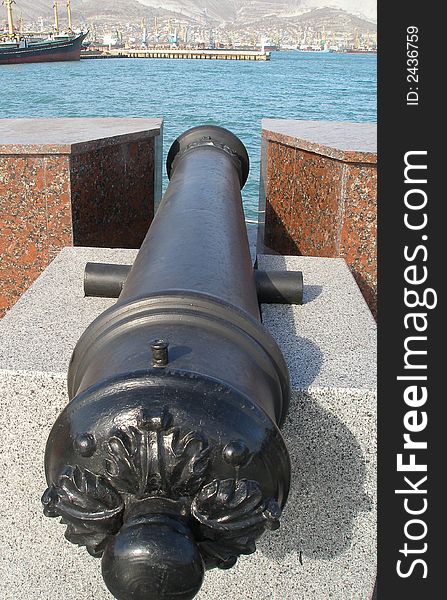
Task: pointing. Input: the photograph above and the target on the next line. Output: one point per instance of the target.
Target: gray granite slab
(72, 135)
(325, 548)
(343, 140)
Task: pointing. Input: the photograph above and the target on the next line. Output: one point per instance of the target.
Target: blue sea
(234, 94)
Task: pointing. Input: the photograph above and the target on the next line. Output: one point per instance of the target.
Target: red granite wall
(35, 219)
(112, 195)
(100, 197)
(358, 234)
(316, 205)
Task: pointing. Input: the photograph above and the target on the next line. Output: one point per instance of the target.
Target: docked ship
(17, 47)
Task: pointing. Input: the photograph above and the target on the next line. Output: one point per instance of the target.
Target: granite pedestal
(319, 193)
(325, 548)
(80, 182)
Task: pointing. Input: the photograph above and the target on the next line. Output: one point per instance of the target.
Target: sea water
(234, 94)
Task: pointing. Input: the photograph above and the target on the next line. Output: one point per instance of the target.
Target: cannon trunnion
(168, 459)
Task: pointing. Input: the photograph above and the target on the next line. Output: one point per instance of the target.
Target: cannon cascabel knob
(154, 558)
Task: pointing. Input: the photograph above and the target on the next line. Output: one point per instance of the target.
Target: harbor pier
(178, 53)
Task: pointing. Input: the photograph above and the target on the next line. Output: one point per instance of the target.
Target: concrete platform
(325, 548)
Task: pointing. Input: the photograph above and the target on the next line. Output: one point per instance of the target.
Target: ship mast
(56, 18)
(8, 4)
(70, 28)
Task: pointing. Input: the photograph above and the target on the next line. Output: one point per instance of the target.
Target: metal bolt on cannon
(168, 459)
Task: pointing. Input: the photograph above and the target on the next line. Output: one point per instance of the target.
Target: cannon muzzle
(168, 459)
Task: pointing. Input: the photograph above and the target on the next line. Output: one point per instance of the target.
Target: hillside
(235, 13)
(230, 11)
(84, 10)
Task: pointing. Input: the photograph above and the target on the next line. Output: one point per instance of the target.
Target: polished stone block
(319, 193)
(81, 182)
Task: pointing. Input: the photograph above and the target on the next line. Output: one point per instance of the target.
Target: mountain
(228, 11)
(234, 13)
(366, 9)
(84, 10)
(329, 19)
(238, 10)
(204, 11)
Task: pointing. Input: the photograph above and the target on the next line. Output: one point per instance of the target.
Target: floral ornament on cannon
(155, 492)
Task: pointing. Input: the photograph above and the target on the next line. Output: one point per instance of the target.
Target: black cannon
(168, 460)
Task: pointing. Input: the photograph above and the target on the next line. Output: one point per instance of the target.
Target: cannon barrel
(168, 459)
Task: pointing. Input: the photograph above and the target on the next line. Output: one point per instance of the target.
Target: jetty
(178, 53)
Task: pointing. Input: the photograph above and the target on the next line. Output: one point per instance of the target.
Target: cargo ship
(16, 47)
